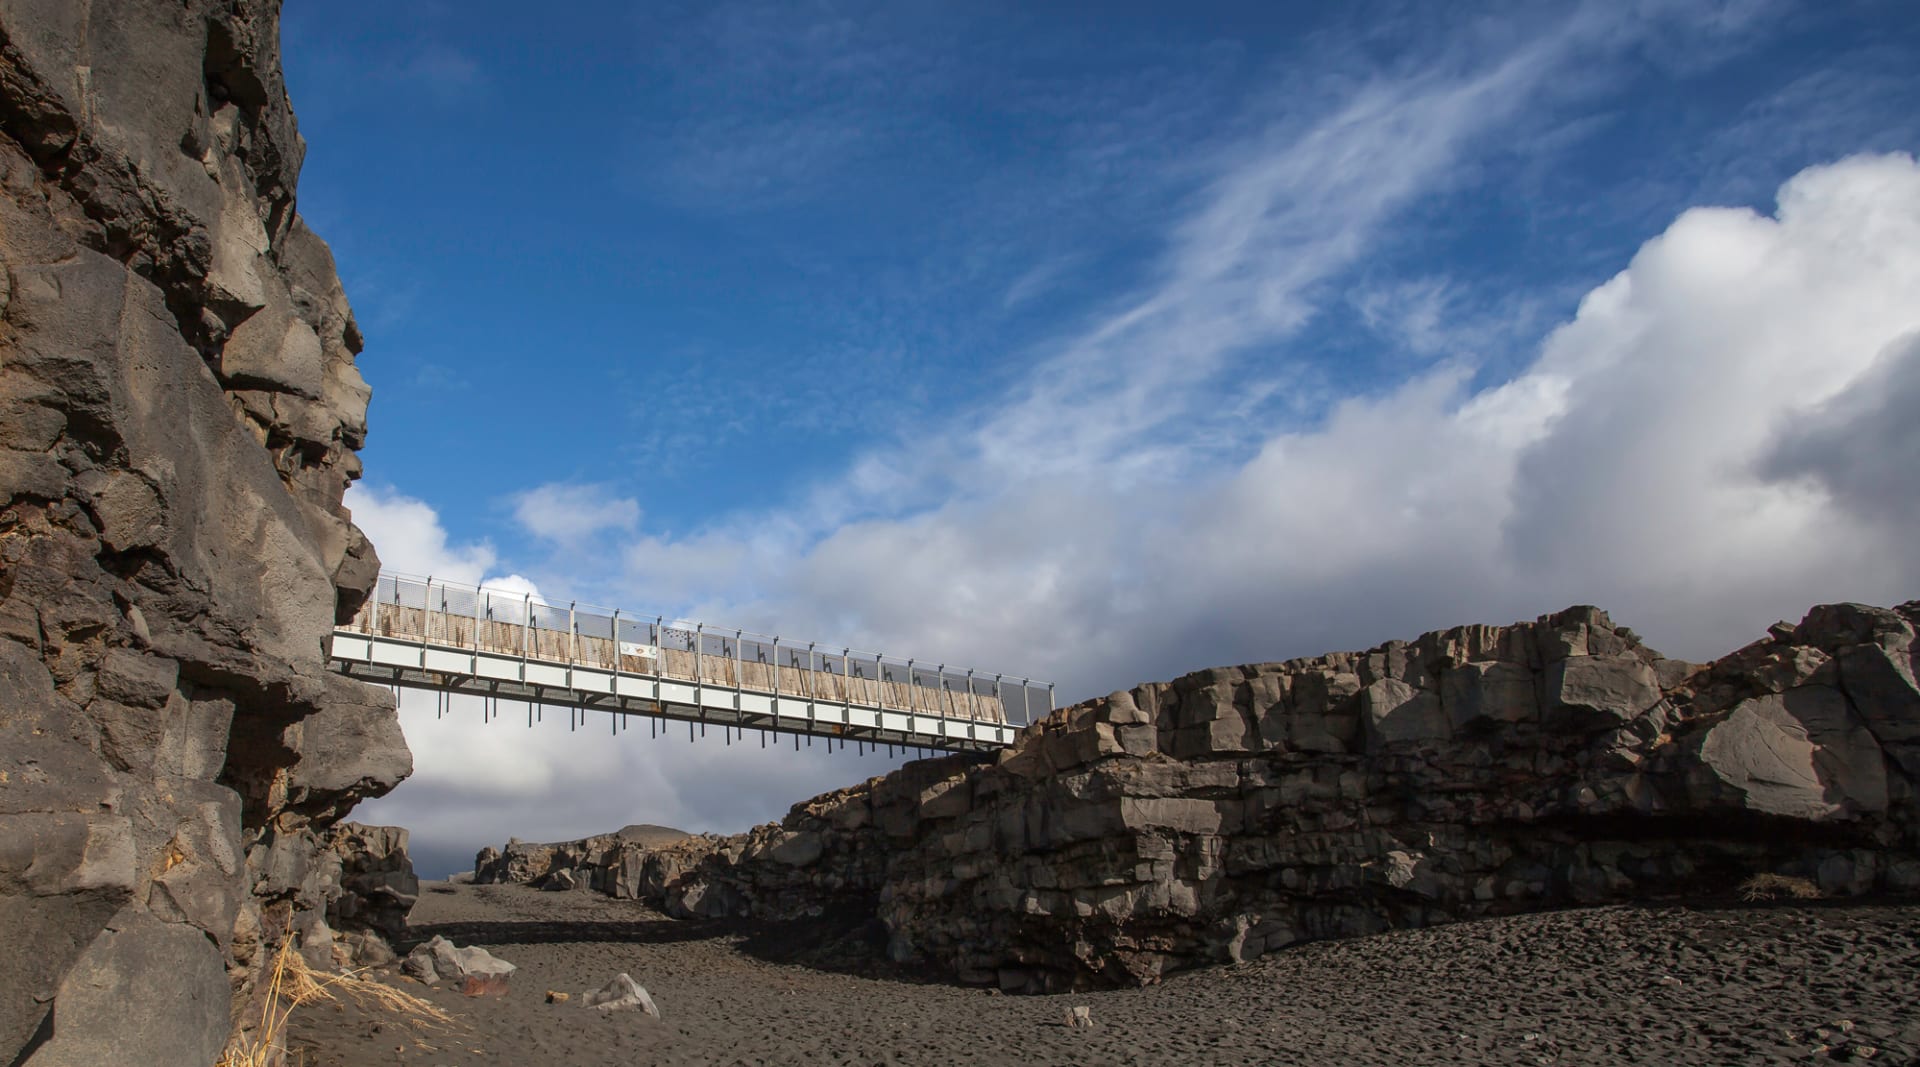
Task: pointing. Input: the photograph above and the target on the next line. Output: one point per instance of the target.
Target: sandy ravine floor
(1631, 984)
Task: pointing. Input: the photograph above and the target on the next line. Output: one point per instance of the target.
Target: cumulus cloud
(410, 538)
(1721, 436)
(569, 514)
(1695, 449)
(1862, 446)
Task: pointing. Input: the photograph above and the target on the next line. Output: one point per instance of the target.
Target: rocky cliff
(179, 414)
(1480, 770)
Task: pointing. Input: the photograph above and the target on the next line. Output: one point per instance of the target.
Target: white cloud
(568, 513)
(1627, 464)
(410, 539)
(1707, 445)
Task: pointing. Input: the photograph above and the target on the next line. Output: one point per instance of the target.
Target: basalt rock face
(609, 863)
(179, 414)
(1481, 770)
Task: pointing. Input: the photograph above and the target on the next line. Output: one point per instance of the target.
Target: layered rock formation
(1480, 770)
(609, 863)
(179, 414)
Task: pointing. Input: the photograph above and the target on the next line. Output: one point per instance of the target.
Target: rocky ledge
(1481, 770)
(179, 417)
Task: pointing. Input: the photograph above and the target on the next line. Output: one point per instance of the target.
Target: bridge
(423, 633)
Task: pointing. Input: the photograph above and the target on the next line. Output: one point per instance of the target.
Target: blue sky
(1105, 342)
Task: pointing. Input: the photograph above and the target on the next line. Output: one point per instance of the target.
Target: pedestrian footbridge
(423, 633)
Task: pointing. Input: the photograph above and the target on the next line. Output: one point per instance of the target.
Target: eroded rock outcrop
(179, 414)
(1479, 770)
(610, 863)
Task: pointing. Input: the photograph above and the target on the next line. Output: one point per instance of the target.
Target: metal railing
(505, 623)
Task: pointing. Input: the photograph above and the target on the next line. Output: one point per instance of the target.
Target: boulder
(1397, 712)
(1800, 754)
(620, 994)
(441, 960)
(1484, 696)
(1597, 691)
(167, 979)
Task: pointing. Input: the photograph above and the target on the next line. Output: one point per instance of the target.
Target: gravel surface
(1654, 984)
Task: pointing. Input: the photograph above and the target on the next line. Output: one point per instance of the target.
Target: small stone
(556, 997)
(1080, 1017)
(1669, 981)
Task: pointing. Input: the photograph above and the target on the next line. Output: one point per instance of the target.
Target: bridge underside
(624, 695)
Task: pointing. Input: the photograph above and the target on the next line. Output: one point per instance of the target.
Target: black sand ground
(1618, 985)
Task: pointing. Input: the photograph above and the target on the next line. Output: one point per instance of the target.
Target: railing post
(1049, 698)
(699, 668)
(659, 663)
(373, 615)
(526, 632)
(1026, 702)
(776, 678)
(477, 594)
(880, 680)
(972, 705)
(426, 620)
(739, 675)
(573, 635)
(613, 634)
(846, 685)
(813, 688)
(913, 698)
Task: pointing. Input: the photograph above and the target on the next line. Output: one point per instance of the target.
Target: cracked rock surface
(1477, 771)
(179, 416)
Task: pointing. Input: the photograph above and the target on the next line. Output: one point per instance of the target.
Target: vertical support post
(1026, 699)
(573, 635)
(973, 705)
(659, 662)
(913, 698)
(477, 595)
(739, 675)
(1049, 698)
(880, 680)
(613, 635)
(426, 619)
(373, 608)
(699, 670)
(776, 681)
(813, 688)
(526, 632)
(846, 684)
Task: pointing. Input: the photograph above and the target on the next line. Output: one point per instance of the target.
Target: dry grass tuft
(1778, 887)
(294, 984)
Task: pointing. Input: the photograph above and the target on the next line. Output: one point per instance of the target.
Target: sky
(1102, 343)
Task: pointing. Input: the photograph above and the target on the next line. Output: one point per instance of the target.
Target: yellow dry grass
(294, 984)
(1778, 887)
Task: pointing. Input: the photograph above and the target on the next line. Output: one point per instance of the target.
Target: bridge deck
(426, 634)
